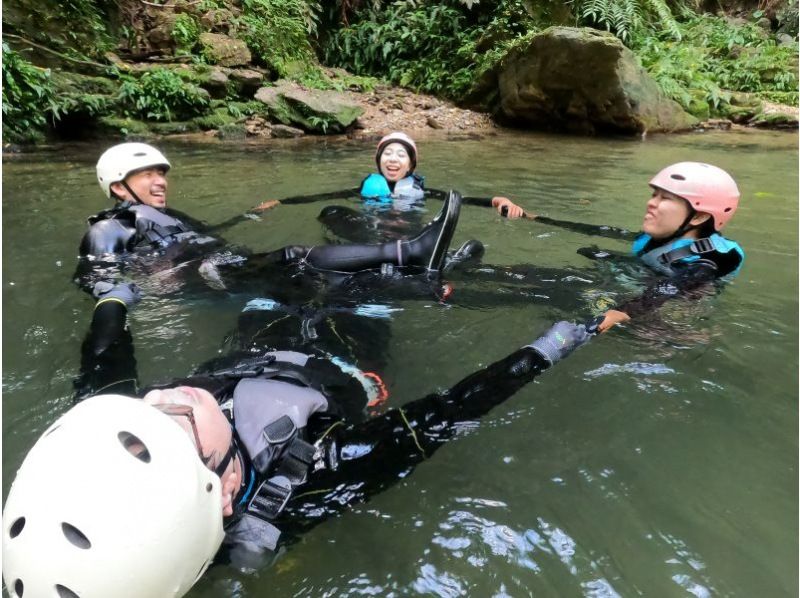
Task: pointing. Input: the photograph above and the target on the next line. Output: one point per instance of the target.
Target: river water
(659, 460)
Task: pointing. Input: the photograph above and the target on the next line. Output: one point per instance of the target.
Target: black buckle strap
(271, 498)
(701, 246)
(247, 368)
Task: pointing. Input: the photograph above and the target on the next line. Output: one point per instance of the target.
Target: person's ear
(119, 190)
(699, 218)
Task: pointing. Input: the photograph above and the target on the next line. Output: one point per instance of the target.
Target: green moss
(217, 119)
(174, 127)
(115, 126)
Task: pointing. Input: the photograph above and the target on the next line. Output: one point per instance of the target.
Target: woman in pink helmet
(691, 202)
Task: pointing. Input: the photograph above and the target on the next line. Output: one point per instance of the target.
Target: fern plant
(624, 18)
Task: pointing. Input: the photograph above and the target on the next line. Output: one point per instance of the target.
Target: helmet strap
(130, 191)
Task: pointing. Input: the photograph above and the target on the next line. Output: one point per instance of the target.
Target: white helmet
(112, 500)
(119, 161)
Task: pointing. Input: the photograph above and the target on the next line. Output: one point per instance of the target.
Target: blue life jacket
(667, 259)
(376, 187)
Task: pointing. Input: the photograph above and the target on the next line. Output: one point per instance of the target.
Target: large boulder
(583, 81)
(313, 110)
(223, 50)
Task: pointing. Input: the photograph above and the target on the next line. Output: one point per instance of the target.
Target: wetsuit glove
(126, 293)
(561, 340)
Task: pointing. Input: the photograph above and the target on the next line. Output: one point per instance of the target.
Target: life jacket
(667, 259)
(268, 400)
(411, 188)
(153, 227)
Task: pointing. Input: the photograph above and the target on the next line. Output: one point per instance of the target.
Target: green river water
(659, 460)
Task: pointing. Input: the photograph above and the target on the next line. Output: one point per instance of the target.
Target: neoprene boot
(427, 249)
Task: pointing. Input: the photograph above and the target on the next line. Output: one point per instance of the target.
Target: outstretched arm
(107, 360)
(693, 279)
(366, 458)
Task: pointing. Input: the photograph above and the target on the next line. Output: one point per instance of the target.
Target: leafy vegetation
(161, 94)
(28, 97)
(436, 47)
(626, 18)
(277, 33)
(715, 57)
(185, 32)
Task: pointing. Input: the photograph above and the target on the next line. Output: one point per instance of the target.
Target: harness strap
(697, 247)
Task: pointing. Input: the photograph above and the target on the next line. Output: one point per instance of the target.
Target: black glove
(126, 292)
(561, 340)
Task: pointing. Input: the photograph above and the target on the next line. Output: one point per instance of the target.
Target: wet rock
(286, 132)
(223, 50)
(786, 40)
(584, 81)
(232, 131)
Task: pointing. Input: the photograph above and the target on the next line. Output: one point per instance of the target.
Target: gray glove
(561, 340)
(127, 292)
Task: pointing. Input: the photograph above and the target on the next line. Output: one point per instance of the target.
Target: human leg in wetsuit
(427, 249)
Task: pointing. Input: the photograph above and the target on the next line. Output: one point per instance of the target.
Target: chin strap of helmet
(681, 230)
(129, 190)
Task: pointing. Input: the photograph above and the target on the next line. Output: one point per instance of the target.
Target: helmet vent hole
(75, 536)
(139, 154)
(677, 177)
(19, 587)
(16, 527)
(726, 210)
(65, 592)
(209, 487)
(134, 446)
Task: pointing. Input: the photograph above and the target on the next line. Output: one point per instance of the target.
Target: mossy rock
(219, 118)
(585, 81)
(175, 127)
(67, 82)
(232, 131)
(698, 106)
(775, 120)
(739, 114)
(315, 111)
(115, 126)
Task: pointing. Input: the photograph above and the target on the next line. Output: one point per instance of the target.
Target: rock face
(313, 110)
(583, 81)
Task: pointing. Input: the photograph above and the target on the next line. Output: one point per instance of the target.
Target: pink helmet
(707, 189)
(401, 138)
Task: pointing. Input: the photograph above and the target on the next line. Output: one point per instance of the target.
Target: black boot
(429, 247)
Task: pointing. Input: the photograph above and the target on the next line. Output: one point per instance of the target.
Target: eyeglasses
(179, 410)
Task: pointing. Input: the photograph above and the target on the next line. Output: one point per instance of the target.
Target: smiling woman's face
(395, 162)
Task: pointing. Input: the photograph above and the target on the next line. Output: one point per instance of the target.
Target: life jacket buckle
(271, 497)
(703, 246)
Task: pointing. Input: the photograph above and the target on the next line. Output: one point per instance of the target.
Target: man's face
(213, 431)
(149, 185)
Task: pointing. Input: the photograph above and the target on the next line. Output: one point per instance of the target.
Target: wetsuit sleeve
(483, 202)
(108, 364)
(366, 458)
(694, 278)
(609, 232)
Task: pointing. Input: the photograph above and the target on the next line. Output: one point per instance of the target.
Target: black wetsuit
(684, 279)
(335, 457)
